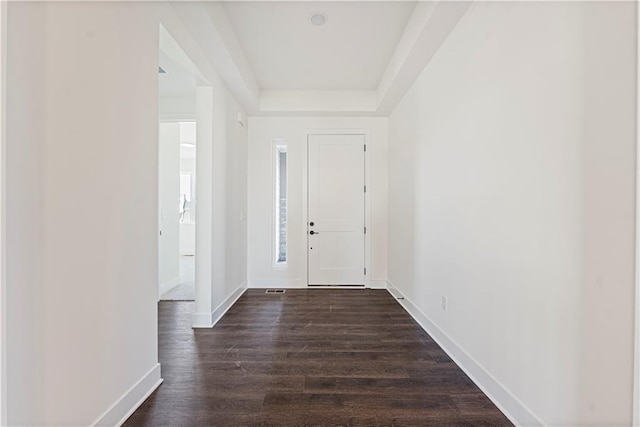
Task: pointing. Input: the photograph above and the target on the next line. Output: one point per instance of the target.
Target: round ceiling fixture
(318, 18)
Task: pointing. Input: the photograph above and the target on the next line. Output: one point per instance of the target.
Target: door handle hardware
(313, 232)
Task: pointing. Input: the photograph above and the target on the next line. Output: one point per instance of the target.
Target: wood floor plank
(383, 386)
(372, 404)
(309, 357)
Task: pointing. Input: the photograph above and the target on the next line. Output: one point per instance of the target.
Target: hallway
(471, 167)
(186, 290)
(308, 357)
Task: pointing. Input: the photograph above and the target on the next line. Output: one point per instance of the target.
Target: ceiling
(350, 52)
(275, 62)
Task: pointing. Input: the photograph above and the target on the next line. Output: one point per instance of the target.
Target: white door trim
(636, 363)
(368, 197)
(3, 302)
(205, 135)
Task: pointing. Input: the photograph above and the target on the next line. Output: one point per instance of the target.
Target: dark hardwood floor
(315, 357)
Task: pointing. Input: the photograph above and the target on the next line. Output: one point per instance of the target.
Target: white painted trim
(176, 117)
(379, 284)
(122, 409)
(278, 283)
(636, 363)
(168, 285)
(275, 217)
(368, 197)
(202, 320)
(514, 409)
(302, 284)
(208, 320)
(318, 101)
(3, 301)
(204, 205)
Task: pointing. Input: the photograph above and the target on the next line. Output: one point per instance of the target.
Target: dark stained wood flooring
(309, 357)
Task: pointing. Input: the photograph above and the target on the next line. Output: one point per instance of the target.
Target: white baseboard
(168, 285)
(277, 283)
(301, 283)
(379, 284)
(208, 320)
(514, 409)
(118, 413)
(202, 320)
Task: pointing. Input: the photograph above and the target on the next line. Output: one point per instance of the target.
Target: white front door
(335, 220)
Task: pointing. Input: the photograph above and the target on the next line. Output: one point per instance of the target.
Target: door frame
(3, 296)
(636, 358)
(368, 196)
(176, 119)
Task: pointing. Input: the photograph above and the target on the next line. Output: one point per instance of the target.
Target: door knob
(313, 232)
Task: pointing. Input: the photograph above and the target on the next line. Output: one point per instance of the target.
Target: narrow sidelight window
(280, 156)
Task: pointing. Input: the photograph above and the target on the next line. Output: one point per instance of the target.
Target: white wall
(636, 386)
(234, 246)
(187, 164)
(100, 207)
(609, 171)
(187, 239)
(222, 172)
(82, 207)
(23, 207)
(294, 130)
(177, 108)
(169, 196)
(3, 54)
(511, 162)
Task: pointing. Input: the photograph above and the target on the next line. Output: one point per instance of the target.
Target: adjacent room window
(280, 158)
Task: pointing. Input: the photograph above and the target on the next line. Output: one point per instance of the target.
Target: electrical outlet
(444, 302)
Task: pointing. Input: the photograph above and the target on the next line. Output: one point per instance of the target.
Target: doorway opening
(177, 201)
(178, 82)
